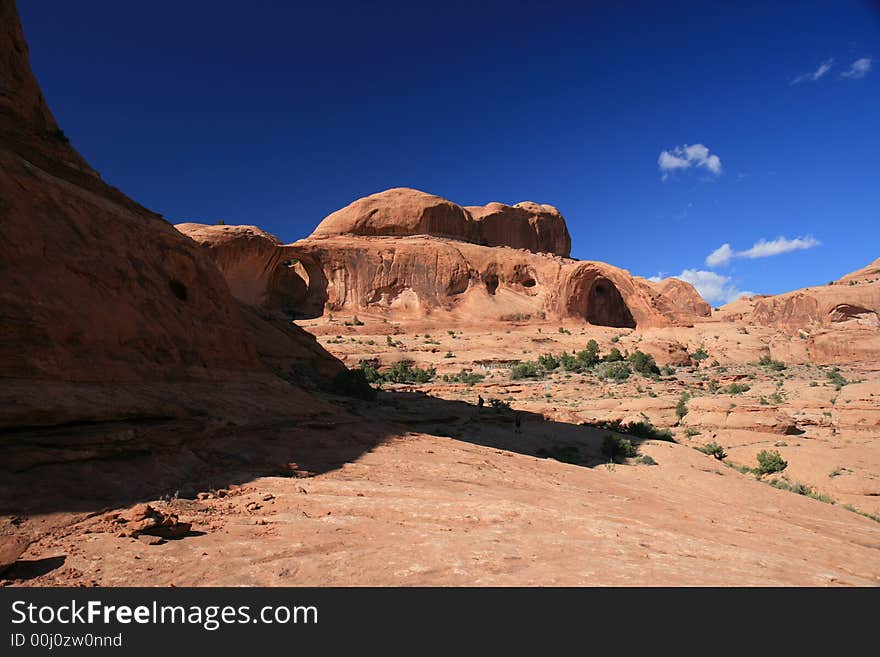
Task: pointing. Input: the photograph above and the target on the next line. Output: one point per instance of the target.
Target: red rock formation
(97, 289)
(403, 212)
(531, 226)
(416, 276)
(839, 321)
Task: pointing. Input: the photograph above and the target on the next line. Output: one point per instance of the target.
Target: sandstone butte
(153, 376)
(410, 254)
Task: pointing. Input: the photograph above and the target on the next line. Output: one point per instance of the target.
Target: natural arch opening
(491, 281)
(298, 288)
(606, 307)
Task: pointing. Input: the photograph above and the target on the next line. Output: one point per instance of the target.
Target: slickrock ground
(419, 487)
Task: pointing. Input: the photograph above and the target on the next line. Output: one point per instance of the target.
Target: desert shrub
(526, 370)
(768, 362)
(465, 376)
(616, 448)
(667, 370)
(736, 389)
(615, 339)
(645, 460)
(836, 378)
(643, 363)
(616, 371)
(590, 356)
(449, 354)
(404, 372)
(645, 429)
(770, 462)
(700, 354)
(681, 408)
(355, 321)
(613, 356)
(548, 361)
(713, 449)
(713, 385)
(690, 432)
(352, 383)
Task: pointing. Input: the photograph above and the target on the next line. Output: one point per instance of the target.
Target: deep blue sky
(275, 114)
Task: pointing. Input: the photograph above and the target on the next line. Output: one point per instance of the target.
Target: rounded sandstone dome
(398, 212)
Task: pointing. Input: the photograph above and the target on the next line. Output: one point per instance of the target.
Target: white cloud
(824, 67)
(720, 256)
(858, 69)
(713, 287)
(685, 157)
(760, 249)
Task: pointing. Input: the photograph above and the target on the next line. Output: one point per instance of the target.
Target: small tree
(681, 408)
(770, 462)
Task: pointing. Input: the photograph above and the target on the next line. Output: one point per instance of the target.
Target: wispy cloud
(824, 67)
(858, 69)
(760, 249)
(714, 288)
(685, 157)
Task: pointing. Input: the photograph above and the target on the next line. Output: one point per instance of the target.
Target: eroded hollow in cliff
(298, 288)
(491, 281)
(606, 307)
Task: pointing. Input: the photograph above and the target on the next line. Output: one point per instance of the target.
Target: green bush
(643, 363)
(776, 365)
(404, 372)
(352, 383)
(713, 449)
(616, 371)
(770, 462)
(681, 408)
(616, 448)
(836, 378)
(700, 354)
(590, 356)
(736, 389)
(569, 363)
(526, 370)
(613, 356)
(549, 362)
(465, 376)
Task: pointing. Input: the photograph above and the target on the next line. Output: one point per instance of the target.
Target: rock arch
(593, 296)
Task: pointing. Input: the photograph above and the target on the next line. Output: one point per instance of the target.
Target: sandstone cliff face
(531, 226)
(403, 212)
(418, 276)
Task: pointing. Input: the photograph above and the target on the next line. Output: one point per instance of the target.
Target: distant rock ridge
(403, 212)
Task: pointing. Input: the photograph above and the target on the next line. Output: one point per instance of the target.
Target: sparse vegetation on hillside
(465, 376)
(713, 449)
(770, 462)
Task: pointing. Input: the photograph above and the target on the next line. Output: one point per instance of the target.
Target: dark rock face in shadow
(606, 307)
